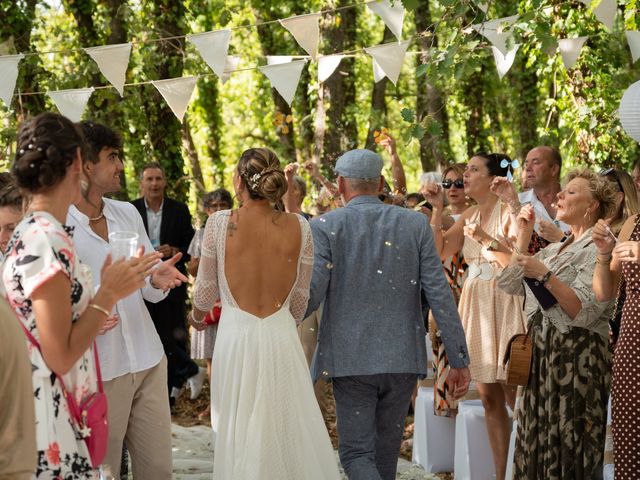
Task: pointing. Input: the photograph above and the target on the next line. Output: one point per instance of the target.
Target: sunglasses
(612, 175)
(447, 184)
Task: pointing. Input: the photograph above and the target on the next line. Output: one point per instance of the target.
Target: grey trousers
(371, 410)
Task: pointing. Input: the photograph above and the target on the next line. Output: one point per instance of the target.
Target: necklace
(100, 216)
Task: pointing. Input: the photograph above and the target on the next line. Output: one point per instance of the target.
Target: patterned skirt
(563, 411)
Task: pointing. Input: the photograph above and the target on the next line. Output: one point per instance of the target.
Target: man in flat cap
(374, 263)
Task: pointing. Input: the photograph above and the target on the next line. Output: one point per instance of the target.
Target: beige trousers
(139, 414)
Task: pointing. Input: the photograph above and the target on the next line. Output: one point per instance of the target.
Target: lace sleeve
(206, 291)
(300, 292)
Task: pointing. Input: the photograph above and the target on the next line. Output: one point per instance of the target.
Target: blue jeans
(371, 410)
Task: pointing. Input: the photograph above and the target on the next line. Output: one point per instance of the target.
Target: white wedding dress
(264, 412)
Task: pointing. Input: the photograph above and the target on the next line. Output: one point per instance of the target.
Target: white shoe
(176, 392)
(195, 383)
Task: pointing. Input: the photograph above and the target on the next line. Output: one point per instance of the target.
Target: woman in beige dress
(490, 317)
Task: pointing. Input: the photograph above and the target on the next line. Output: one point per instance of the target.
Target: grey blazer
(372, 261)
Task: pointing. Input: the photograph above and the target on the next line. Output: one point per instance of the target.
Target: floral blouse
(40, 248)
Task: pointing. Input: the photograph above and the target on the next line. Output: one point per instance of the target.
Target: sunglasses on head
(457, 183)
(611, 172)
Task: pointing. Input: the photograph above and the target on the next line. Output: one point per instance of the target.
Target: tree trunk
(273, 43)
(378, 114)
(17, 20)
(164, 130)
(339, 90)
(525, 83)
(474, 98)
(192, 155)
(305, 121)
(434, 148)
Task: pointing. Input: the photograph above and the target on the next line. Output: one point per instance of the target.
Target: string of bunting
(284, 71)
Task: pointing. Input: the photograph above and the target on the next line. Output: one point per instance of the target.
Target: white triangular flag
(633, 39)
(306, 30)
(112, 61)
(213, 48)
(389, 58)
(605, 11)
(483, 6)
(570, 50)
(8, 76)
(230, 66)
(494, 31)
(327, 65)
(278, 59)
(378, 73)
(504, 62)
(284, 77)
(177, 93)
(392, 15)
(71, 103)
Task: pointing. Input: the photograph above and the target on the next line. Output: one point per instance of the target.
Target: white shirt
(541, 212)
(133, 345)
(154, 220)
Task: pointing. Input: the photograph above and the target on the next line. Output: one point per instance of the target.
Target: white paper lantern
(630, 111)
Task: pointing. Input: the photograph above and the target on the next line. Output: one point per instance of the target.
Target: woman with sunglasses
(454, 268)
(490, 316)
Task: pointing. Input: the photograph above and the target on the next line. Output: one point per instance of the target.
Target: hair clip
(511, 165)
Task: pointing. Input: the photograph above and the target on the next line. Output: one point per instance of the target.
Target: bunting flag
(389, 58)
(378, 73)
(9, 69)
(278, 59)
(306, 30)
(327, 65)
(633, 39)
(391, 15)
(71, 103)
(177, 93)
(230, 66)
(483, 6)
(504, 62)
(630, 111)
(496, 31)
(284, 77)
(112, 61)
(570, 50)
(605, 11)
(213, 48)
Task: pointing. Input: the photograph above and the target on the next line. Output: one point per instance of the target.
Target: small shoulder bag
(90, 415)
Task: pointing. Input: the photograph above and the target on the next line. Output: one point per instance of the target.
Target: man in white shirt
(131, 355)
(542, 175)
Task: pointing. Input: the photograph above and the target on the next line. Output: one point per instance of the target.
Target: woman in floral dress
(51, 291)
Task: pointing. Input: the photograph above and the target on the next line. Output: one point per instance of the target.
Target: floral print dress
(39, 249)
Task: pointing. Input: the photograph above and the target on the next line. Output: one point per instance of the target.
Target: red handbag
(90, 415)
(213, 317)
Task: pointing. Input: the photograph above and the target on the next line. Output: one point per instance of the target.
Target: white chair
(473, 459)
(433, 436)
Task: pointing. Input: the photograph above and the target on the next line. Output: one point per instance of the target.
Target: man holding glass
(131, 355)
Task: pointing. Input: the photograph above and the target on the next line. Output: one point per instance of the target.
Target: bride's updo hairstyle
(47, 146)
(259, 169)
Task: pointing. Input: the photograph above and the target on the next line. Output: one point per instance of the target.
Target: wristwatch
(545, 278)
(493, 245)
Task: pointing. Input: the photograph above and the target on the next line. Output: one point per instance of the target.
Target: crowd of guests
(557, 261)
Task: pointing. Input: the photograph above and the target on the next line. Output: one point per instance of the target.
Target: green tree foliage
(449, 101)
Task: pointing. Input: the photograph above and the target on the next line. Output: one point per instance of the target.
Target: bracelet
(436, 226)
(603, 260)
(514, 207)
(100, 309)
(546, 277)
(194, 321)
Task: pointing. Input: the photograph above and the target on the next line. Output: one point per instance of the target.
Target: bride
(258, 261)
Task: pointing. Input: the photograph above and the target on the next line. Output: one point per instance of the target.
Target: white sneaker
(176, 392)
(195, 383)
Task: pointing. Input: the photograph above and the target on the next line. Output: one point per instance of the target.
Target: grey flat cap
(360, 163)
